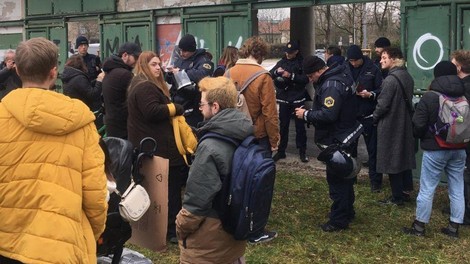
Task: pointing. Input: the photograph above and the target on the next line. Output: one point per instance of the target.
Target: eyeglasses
(201, 104)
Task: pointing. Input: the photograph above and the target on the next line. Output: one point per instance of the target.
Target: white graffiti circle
(417, 50)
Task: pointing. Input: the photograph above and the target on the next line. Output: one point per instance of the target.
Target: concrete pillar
(302, 28)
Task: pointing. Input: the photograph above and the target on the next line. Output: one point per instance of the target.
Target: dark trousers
(5, 260)
(285, 114)
(342, 194)
(177, 177)
(370, 138)
(399, 182)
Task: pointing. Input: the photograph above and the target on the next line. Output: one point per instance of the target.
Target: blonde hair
(142, 70)
(221, 90)
(35, 58)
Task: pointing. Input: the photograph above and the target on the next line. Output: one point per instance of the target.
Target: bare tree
(268, 22)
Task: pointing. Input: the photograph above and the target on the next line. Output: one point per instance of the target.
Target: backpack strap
(249, 80)
(230, 140)
(407, 102)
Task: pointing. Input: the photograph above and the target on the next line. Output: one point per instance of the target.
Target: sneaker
(303, 157)
(266, 236)
(173, 240)
(391, 201)
(279, 155)
(416, 229)
(374, 188)
(327, 227)
(451, 230)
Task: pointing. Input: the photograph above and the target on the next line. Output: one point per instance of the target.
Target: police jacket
(93, 64)
(427, 110)
(290, 90)
(334, 107)
(367, 77)
(197, 67)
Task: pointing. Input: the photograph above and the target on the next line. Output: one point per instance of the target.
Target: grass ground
(301, 203)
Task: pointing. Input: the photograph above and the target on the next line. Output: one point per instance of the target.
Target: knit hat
(291, 47)
(445, 68)
(130, 48)
(354, 53)
(81, 40)
(313, 64)
(187, 43)
(382, 42)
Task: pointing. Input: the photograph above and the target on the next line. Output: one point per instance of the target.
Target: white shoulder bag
(134, 202)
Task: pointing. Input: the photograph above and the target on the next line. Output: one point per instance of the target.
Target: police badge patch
(329, 102)
(207, 66)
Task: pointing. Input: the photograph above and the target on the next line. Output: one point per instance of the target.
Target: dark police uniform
(368, 77)
(290, 94)
(334, 117)
(197, 67)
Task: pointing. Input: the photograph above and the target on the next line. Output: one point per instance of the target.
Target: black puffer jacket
(427, 110)
(77, 85)
(117, 79)
(290, 90)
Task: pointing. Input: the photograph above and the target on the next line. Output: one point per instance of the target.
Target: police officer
(368, 80)
(290, 82)
(380, 44)
(197, 64)
(93, 62)
(334, 117)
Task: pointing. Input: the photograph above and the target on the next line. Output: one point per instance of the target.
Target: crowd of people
(51, 153)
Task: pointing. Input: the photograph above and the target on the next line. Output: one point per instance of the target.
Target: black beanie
(354, 53)
(81, 40)
(445, 68)
(187, 43)
(382, 42)
(312, 64)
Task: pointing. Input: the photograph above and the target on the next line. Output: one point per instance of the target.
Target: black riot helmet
(339, 162)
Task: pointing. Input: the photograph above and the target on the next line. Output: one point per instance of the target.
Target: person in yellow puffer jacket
(52, 181)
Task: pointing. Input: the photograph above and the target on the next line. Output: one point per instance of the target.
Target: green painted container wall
(10, 41)
(54, 7)
(117, 33)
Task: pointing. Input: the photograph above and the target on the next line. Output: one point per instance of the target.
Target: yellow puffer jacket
(52, 182)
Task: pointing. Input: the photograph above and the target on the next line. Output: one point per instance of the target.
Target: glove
(179, 109)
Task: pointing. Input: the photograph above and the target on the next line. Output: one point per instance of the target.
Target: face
(129, 59)
(154, 65)
(378, 51)
(83, 49)
(386, 62)
(327, 55)
(356, 63)
(10, 62)
(457, 65)
(314, 76)
(206, 107)
(186, 54)
(291, 55)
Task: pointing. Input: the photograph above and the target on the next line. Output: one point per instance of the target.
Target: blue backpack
(244, 202)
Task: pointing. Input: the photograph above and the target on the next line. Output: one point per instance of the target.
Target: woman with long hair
(227, 60)
(149, 114)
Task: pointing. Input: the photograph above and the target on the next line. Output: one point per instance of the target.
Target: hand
(179, 109)
(364, 94)
(286, 74)
(100, 77)
(280, 70)
(299, 112)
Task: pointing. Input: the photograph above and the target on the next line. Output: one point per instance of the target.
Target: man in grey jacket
(201, 236)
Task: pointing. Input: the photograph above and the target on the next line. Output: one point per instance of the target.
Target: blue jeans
(452, 162)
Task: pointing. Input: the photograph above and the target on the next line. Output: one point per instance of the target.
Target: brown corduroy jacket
(260, 97)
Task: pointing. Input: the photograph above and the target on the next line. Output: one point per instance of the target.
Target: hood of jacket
(228, 122)
(450, 85)
(114, 62)
(69, 73)
(47, 112)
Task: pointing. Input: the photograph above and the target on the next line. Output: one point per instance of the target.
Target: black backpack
(244, 201)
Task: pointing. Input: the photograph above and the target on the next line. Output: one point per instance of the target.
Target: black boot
(279, 155)
(417, 229)
(451, 230)
(303, 155)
